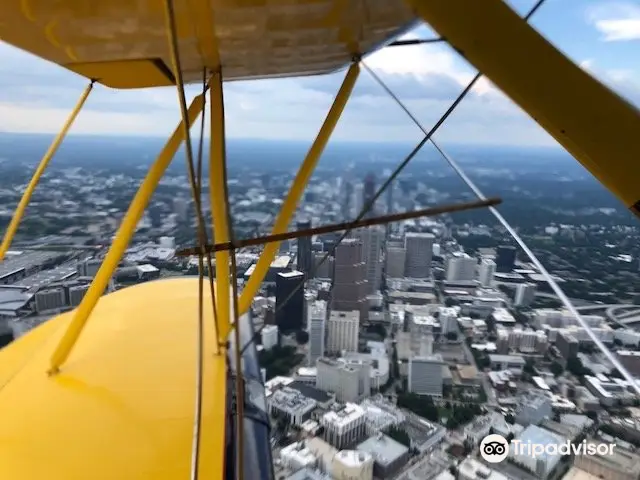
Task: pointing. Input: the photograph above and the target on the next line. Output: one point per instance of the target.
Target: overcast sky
(601, 35)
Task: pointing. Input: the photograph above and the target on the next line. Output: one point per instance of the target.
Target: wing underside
(123, 43)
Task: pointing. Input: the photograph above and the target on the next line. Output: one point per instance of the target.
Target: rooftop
(292, 274)
(348, 315)
(291, 400)
(282, 261)
(384, 449)
(310, 392)
(345, 416)
(45, 277)
(537, 435)
(472, 469)
(514, 359)
(12, 263)
(353, 458)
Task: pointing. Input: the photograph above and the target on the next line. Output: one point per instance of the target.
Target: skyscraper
(372, 242)
(350, 283)
(289, 301)
(486, 271)
(343, 331)
(316, 327)
(347, 201)
(368, 192)
(419, 251)
(395, 261)
(461, 267)
(505, 258)
(305, 256)
(389, 193)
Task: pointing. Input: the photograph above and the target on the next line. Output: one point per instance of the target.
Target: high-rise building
(305, 255)
(347, 200)
(486, 271)
(323, 268)
(419, 251)
(425, 375)
(350, 281)
(372, 242)
(352, 465)
(357, 200)
(505, 258)
(525, 294)
(394, 265)
(344, 427)
(316, 327)
(461, 268)
(389, 193)
(368, 192)
(289, 301)
(343, 331)
(350, 381)
(269, 336)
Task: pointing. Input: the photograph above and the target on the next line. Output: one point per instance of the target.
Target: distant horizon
(195, 137)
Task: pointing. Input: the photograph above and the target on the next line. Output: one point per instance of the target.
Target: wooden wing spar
(114, 397)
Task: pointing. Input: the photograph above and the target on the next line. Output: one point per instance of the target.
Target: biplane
(160, 380)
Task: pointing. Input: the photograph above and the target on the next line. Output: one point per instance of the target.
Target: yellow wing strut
(122, 238)
(26, 196)
(594, 124)
(217, 177)
(298, 186)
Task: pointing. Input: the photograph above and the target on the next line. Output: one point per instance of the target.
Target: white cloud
(616, 21)
(427, 78)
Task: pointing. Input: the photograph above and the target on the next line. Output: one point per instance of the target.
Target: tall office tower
(425, 375)
(322, 268)
(289, 301)
(394, 265)
(357, 203)
(388, 194)
(486, 271)
(372, 242)
(347, 200)
(350, 281)
(505, 258)
(525, 294)
(368, 192)
(461, 268)
(419, 250)
(305, 256)
(316, 327)
(343, 331)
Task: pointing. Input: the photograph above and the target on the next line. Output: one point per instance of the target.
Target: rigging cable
(366, 208)
(239, 377)
(338, 227)
(202, 235)
(552, 283)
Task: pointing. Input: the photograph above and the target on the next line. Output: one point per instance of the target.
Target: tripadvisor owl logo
(494, 448)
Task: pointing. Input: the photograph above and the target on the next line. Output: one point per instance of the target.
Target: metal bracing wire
(405, 162)
(239, 378)
(338, 227)
(463, 176)
(367, 207)
(552, 283)
(196, 184)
